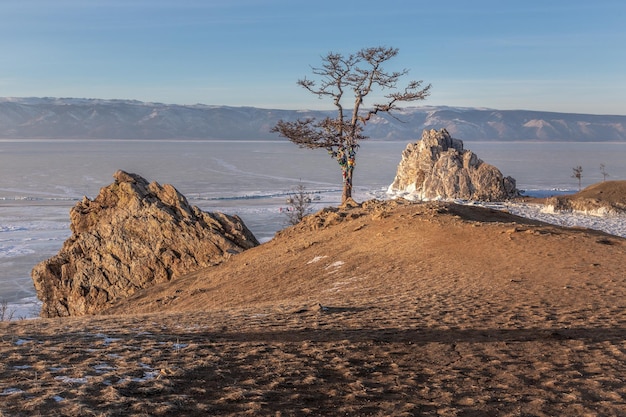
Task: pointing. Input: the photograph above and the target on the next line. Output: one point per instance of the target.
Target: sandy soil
(427, 309)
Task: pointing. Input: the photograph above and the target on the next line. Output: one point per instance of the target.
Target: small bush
(298, 205)
(5, 313)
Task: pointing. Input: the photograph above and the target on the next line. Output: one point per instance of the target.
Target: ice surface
(609, 223)
(40, 182)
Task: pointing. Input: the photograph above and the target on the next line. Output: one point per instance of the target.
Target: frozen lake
(41, 180)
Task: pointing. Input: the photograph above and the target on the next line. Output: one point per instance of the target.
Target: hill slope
(125, 119)
(428, 309)
(388, 251)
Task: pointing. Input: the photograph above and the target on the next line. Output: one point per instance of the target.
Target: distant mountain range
(70, 118)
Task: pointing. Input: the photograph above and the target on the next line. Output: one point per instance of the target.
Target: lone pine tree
(356, 75)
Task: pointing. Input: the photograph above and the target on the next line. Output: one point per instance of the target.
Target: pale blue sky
(553, 55)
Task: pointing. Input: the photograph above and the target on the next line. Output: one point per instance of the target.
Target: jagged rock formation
(438, 168)
(133, 235)
(608, 197)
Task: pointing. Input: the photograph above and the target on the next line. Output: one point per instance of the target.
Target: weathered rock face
(438, 168)
(131, 236)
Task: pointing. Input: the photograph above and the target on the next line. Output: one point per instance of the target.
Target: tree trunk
(347, 183)
(346, 157)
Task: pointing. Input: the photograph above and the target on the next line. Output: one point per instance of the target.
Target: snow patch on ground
(69, 380)
(335, 265)
(316, 259)
(614, 224)
(11, 391)
(339, 286)
(101, 369)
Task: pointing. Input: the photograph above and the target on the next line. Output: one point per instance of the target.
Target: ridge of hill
(74, 118)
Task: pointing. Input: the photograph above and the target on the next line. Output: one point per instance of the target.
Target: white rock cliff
(438, 168)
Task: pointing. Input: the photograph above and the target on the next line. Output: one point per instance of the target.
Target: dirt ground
(384, 309)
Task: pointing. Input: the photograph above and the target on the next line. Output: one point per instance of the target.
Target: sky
(548, 55)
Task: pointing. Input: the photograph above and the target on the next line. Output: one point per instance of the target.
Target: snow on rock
(437, 167)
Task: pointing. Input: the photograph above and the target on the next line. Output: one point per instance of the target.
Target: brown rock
(133, 235)
(438, 168)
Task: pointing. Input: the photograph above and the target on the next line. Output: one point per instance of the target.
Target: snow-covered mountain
(126, 119)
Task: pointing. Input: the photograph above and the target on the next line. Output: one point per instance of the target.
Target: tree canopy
(339, 79)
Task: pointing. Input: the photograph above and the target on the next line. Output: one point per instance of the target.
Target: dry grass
(433, 310)
(379, 360)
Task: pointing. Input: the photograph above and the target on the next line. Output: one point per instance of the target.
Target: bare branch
(301, 132)
(411, 93)
(308, 84)
(359, 73)
(309, 133)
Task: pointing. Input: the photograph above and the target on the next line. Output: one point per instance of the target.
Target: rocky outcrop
(603, 198)
(133, 235)
(438, 168)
